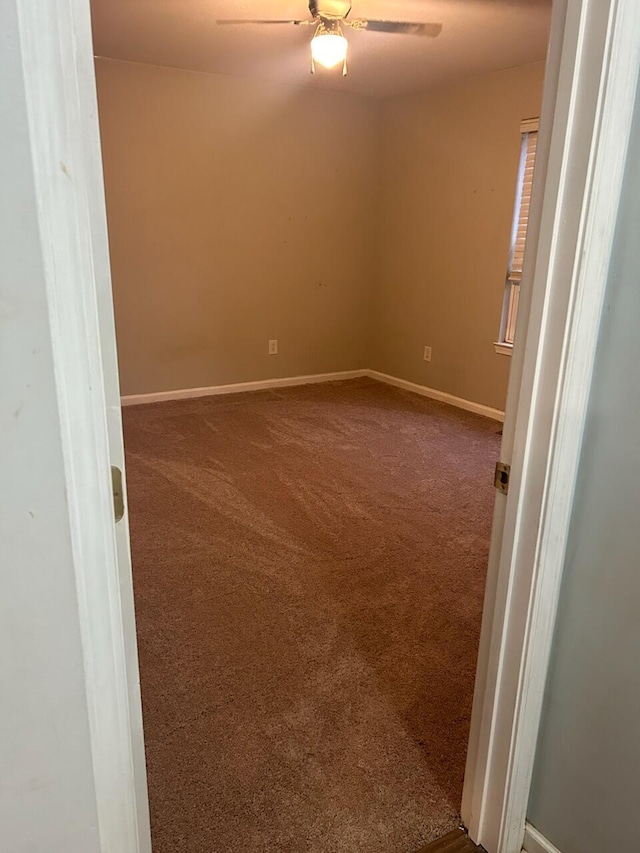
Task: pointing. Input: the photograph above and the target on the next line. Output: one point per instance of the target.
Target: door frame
(58, 91)
(589, 96)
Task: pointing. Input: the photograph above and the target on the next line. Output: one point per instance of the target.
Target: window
(529, 130)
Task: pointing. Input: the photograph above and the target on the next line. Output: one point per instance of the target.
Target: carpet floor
(309, 567)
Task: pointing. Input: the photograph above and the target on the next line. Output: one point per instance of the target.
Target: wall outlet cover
(273, 347)
(427, 353)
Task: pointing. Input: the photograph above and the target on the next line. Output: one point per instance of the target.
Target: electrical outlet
(273, 347)
(427, 353)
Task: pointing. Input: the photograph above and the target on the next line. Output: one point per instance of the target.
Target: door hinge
(118, 492)
(501, 478)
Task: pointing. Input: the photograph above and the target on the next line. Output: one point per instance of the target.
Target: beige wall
(238, 212)
(450, 161)
(355, 231)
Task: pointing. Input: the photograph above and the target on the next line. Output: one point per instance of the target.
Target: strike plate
(501, 479)
(118, 492)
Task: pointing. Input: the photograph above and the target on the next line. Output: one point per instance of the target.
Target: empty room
(317, 216)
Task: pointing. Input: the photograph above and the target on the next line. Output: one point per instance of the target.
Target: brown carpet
(309, 568)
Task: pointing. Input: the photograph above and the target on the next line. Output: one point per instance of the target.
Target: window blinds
(529, 144)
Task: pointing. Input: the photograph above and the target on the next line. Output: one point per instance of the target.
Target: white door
(71, 658)
(102, 271)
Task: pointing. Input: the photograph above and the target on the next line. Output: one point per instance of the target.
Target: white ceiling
(477, 36)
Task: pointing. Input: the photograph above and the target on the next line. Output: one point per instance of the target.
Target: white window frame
(504, 344)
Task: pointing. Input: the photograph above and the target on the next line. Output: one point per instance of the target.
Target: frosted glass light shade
(329, 49)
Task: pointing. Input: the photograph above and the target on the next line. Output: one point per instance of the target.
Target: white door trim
(535, 842)
(589, 101)
(56, 51)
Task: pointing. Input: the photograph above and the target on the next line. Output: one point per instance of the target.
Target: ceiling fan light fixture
(329, 47)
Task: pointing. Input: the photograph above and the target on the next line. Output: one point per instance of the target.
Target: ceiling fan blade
(402, 28)
(246, 21)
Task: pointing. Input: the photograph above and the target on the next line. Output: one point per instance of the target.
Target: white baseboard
(535, 842)
(442, 396)
(289, 381)
(240, 387)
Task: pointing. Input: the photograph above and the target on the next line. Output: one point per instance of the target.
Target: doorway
(274, 511)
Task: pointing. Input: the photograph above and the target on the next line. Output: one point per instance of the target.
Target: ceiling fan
(328, 45)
